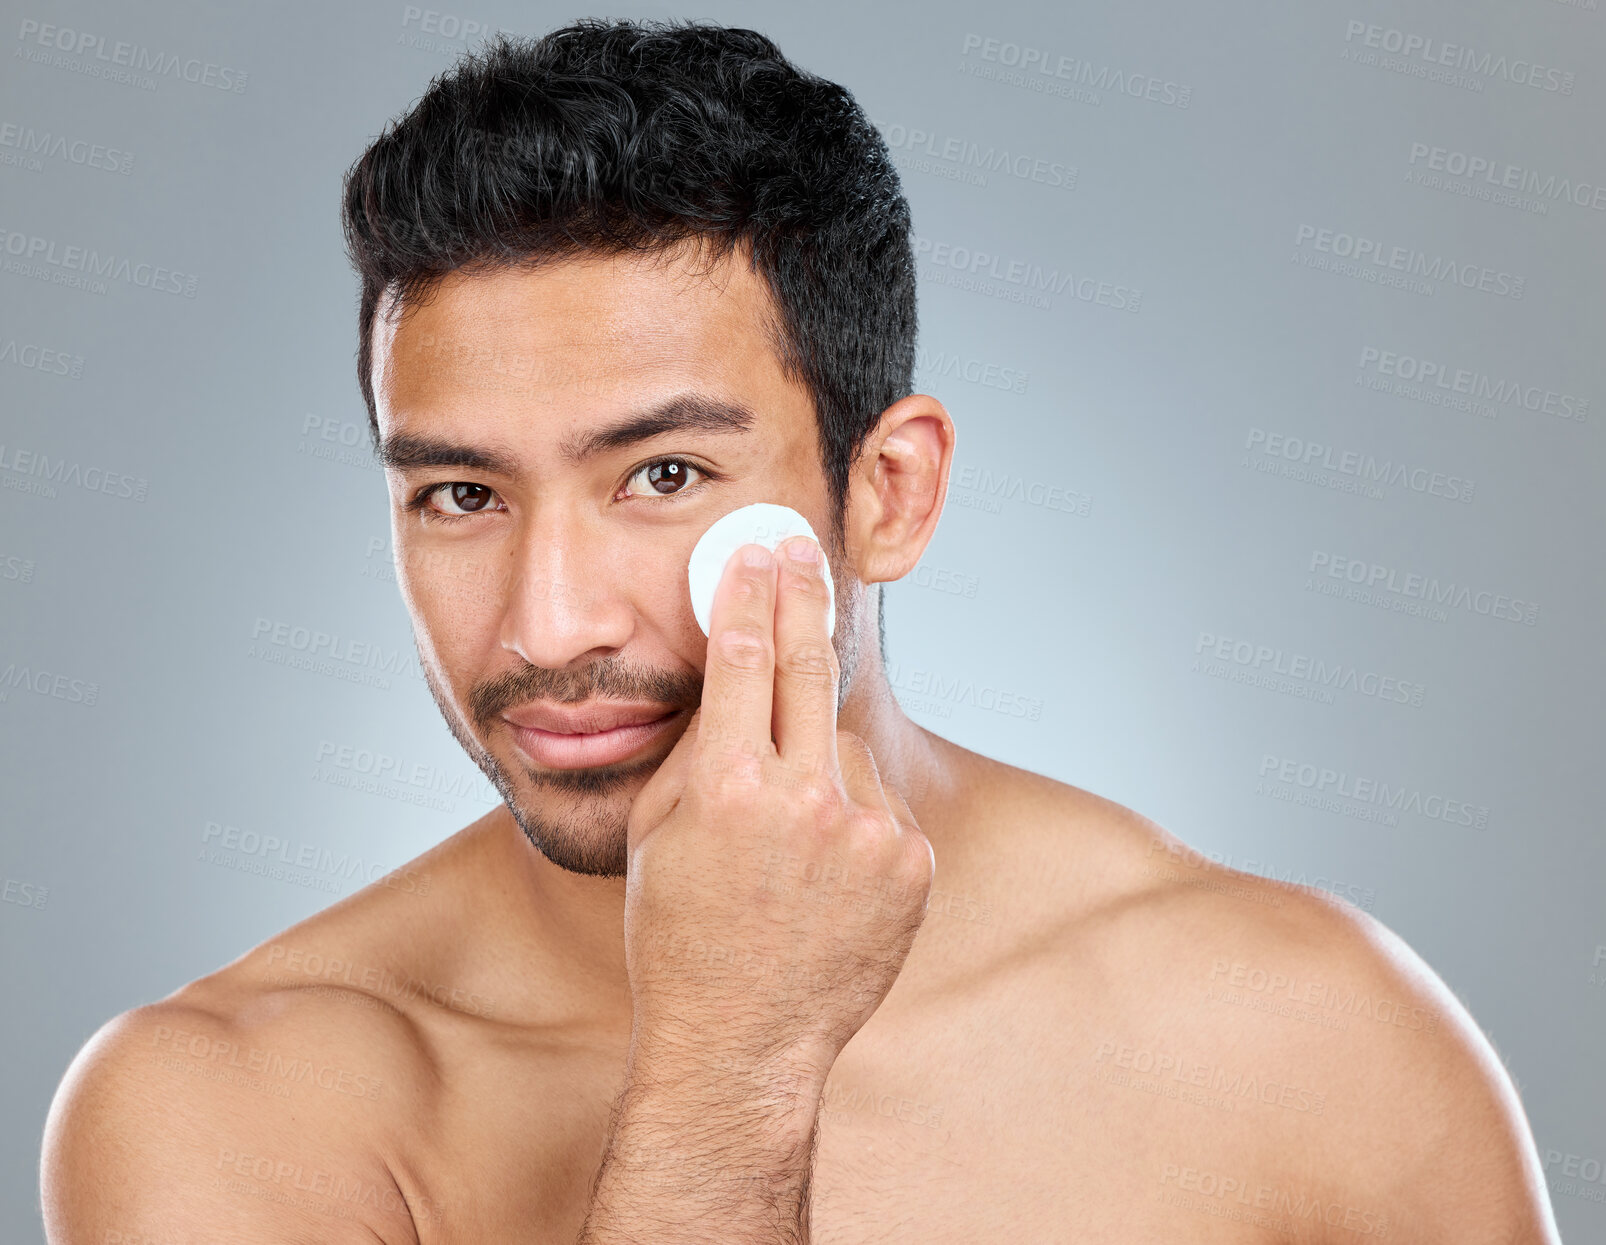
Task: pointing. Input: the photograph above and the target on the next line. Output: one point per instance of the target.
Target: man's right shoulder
(235, 1111)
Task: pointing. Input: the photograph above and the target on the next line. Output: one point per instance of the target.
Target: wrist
(759, 1089)
(677, 1037)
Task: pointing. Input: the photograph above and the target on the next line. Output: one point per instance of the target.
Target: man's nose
(565, 601)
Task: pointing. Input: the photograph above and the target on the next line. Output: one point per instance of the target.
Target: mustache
(607, 678)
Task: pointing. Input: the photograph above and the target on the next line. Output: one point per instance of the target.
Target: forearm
(701, 1149)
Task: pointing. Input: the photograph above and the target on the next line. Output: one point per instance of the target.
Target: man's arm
(151, 1139)
(697, 1151)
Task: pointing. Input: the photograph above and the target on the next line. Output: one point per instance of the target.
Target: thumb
(658, 798)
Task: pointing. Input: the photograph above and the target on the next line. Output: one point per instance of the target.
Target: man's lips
(602, 715)
(573, 737)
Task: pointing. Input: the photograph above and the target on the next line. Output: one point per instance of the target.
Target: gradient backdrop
(1273, 339)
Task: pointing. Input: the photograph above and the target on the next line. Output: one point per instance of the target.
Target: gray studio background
(1298, 554)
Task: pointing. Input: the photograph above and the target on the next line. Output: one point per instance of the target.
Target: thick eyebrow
(407, 451)
(685, 412)
(682, 413)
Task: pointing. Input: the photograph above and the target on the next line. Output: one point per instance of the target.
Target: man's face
(559, 438)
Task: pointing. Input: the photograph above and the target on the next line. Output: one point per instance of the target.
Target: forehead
(580, 334)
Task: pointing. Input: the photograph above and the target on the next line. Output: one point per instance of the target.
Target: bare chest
(980, 1129)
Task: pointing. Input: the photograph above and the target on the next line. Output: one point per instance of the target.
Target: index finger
(806, 665)
(739, 680)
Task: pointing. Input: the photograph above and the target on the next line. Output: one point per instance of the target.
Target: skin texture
(1096, 1035)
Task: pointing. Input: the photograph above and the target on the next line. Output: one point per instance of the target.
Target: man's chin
(577, 818)
(596, 847)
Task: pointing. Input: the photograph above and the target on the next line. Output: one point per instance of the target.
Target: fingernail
(802, 549)
(757, 555)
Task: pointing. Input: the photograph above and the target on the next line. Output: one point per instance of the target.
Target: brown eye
(667, 476)
(468, 498)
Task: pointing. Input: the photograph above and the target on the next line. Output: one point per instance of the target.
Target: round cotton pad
(760, 524)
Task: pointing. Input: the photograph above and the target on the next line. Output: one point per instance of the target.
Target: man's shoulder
(1287, 965)
(1297, 1009)
(1111, 881)
(195, 1115)
(260, 1095)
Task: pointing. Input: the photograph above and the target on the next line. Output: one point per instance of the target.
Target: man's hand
(730, 951)
(747, 982)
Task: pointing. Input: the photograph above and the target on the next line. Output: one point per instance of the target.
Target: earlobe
(898, 490)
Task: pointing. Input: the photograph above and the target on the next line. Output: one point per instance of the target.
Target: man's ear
(896, 490)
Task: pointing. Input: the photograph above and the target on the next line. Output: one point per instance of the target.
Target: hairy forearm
(702, 1148)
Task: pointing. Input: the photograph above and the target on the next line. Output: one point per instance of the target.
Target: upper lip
(602, 715)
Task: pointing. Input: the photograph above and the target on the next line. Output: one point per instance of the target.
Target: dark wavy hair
(609, 136)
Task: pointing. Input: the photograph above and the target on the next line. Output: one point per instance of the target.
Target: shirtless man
(773, 964)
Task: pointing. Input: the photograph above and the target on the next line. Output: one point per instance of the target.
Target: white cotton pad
(759, 524)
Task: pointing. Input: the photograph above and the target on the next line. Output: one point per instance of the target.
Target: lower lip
(595, 748)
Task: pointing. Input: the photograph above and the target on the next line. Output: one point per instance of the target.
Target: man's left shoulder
(1314, 1014)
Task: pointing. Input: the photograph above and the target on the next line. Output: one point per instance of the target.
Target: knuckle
(805, 586)
(749, 586)
(920, 859)
(808, 659)
(872, 826)
(745, 649)
(727, 750)
(818, 792)
(730, 777)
